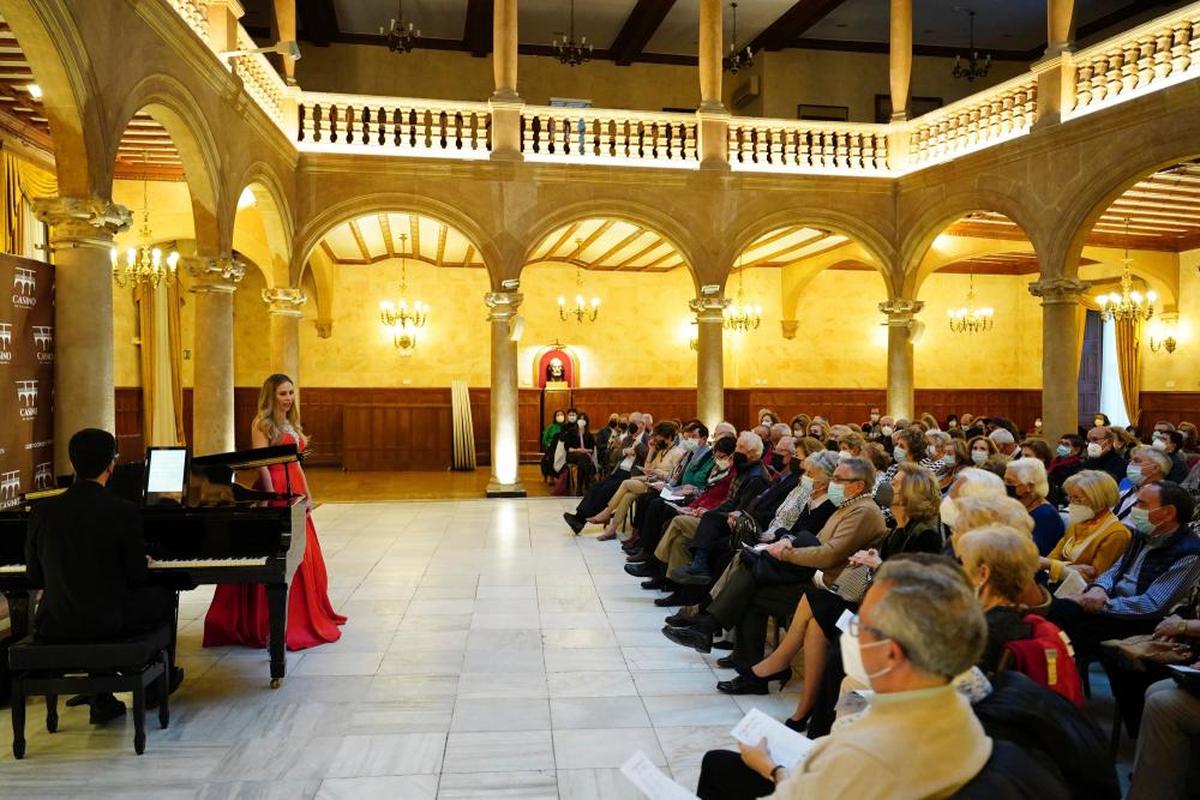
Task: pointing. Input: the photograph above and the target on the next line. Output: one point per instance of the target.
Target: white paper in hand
(652, 781)
(671, 496)
(787, 747)
(1072, 583)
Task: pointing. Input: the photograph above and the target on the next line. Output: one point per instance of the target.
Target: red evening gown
(238, 614)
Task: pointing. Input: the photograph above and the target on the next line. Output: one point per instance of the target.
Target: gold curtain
(158, 344)
(22, 181)
(1129, 335)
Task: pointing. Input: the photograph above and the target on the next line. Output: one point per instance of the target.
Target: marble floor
(489, 654)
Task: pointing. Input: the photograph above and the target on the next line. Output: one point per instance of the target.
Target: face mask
(948, 511)
(776, 462)
(898, 453)
(767, 422)
(721, 463)
(570, 417)
(887, 430)
(1063, 451)
(740, 460)
(689, 444)
(979, 456)
(852, 663)
(874, 418)
(612, 424)
(1160, 445)
(952, 425)
(807, 483)
(582, 423)
(798, 433)
(1097, 423)
(1011, 491)
(559, 420)
(947, 462)
(837, 494)
(1134, 473)
(815, 433)
(1094, 450)
(845, 455)
(1077, 513)
(1140, 518)
(1037, 423)
(794, 466)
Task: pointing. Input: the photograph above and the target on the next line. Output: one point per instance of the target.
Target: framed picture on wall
(820, 113)
(917, 106)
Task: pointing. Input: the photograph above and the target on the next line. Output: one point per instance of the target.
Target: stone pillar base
(497, 489)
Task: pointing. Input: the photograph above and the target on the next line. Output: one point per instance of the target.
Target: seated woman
(1095, 538)
(581, 450)
(1025, 480)
(664, 455)
(1001, 563)
(550, 442)
(915, 500)
(981, 448)
(1068, 459)
(1037, 448)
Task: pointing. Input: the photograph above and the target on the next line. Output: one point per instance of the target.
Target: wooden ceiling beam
(794, 22)
(567, 233)
(621, 245)
(638, 30)
(443, 231)
(477, 32)
(601, 229)
(358, 239)
(385, 227)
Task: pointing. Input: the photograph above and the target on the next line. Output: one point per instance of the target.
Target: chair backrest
(1013, 774)
(1046, 658)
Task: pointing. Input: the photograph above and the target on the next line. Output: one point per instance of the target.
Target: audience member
(981, 448)
(1025, 481)
(1101, 452)
(1171, 443)
(1039, 449)
(1146, 465)
(1166, 743)
(1095, 538)
(1068, 460)
(1005, 442)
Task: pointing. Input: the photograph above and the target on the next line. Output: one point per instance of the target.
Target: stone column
(1060, 27)
(506, 442)
(900, 77)
(1055, 71)
(213, 423)
(712, 116)
(506, 103)
(710, 358)
(284, 304)
(1060, 353)
(900, 384)
(81, 238)
(223, 16)
(285, 21)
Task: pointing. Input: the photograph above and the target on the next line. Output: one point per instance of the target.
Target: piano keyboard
(201, 563)
(18, 569)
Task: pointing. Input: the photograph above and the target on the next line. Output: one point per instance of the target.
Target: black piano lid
(250, 459)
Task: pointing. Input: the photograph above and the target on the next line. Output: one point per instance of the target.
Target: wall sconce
(405, 341)
(1163, 335)
(1167, 343)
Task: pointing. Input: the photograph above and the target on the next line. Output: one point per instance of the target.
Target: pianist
(85, 549)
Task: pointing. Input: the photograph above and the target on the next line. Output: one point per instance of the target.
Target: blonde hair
(979, 512)
(264, 420)
(1012, 558)
(988, 443)
(1097, 487)
(919, 493)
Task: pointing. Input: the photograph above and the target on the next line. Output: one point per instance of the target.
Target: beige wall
(788, 77)
(1178, 371)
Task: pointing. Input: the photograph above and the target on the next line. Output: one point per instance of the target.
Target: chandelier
(145, 263)
(400, 317)
(401, 36)
(571, 52)
(973, 68)
(737, 60)
(740, 316)
(1130, 305)
(581, 311)
(968, 318)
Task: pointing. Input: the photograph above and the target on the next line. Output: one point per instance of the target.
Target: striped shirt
(1164, 592)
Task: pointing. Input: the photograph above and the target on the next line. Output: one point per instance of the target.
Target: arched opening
(979, 347)
(1143, 244)
(808, 281)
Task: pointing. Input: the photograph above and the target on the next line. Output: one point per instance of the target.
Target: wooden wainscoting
(1175, 407)
(131, 446)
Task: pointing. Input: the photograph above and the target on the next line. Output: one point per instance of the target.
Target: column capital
(285, 300)
(83, 219)
(324, 328)
(506, 99)
(709, 308)
(219, 274)
(1059, 291)
(900, 311)
(502, 305)
(789, 327)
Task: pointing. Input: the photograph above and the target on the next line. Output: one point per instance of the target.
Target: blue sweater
(1047, 527)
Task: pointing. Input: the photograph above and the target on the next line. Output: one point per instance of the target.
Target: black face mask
(776, 462)
(795, 467)
(740, 460)
(1011, 491)
(612, 424)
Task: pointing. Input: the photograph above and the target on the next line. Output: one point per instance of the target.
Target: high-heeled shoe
(600, 519)
(798, 725)
(752, 684)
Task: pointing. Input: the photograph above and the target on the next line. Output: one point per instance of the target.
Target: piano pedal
(276, 683)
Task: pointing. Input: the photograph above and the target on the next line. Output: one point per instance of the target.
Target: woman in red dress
(238, 614)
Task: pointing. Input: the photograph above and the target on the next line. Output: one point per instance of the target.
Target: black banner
(26, 377)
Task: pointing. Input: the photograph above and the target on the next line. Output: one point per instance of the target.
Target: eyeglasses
(856, 626)
(836, 479)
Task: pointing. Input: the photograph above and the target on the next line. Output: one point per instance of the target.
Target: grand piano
(224, 533)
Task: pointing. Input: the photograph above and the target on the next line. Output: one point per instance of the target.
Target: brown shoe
(607, 536)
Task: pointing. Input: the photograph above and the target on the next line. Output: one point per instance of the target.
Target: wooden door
(1091, 366)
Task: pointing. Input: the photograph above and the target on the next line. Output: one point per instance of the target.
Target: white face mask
(887, 430)
(979, 456)
(689, 444)
(845, 455)
(1159, 444)
(807, 484)
(1077, 513)
(948, 511)
(1094, 450)
(852, 663)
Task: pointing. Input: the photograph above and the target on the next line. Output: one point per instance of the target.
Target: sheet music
(787, 747)
(1072, 583)
(652, 781)
(672, 496)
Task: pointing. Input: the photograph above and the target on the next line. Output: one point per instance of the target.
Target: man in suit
(85, 549)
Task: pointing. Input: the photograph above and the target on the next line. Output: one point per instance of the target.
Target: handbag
(1144, 649)
(852, 582)
(562, 484)
(745, 530)
(560, 456)
(770, 571)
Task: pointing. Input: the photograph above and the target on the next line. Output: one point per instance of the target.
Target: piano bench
(50, 669)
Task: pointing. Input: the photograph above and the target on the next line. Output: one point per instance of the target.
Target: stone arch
(931, 221)
(314, 229)
(55, 49)
(278, 225)
(873, 243)
(1094, 198)
(632, 212)
(174, 107)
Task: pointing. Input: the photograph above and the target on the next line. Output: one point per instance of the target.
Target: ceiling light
(35, 91)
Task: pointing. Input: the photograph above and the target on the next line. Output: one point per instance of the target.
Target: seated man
(1171, 443)
(1158, 569)
(1146, 465)
(1166, 744)
(85, 549)
(918, 627)
(1101, 452)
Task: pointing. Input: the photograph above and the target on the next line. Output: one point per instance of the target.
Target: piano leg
(174, 635)
(277, 596)
(18, 614)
